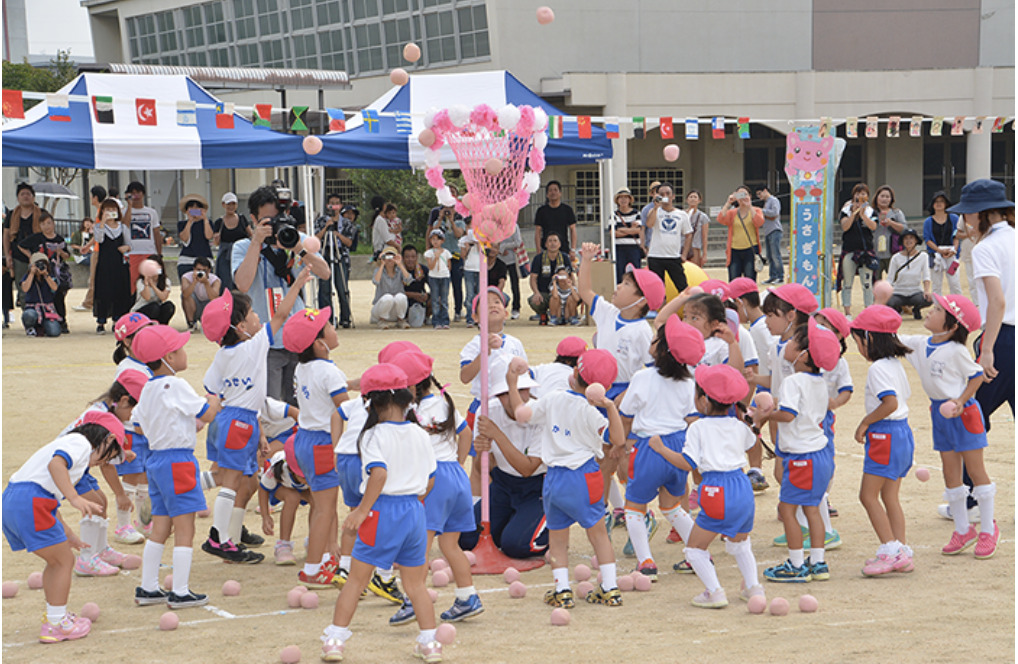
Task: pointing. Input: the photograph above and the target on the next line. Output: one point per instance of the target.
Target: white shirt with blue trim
(838, 379)
(717, 444)
(804, 395)
(551, 377)
(73, 448)
(432, 412)
(762, 341)
(166, 411)
(406, 453)
(573, 431)
(354, 415)
(886, 376)
(628, 339)
(524, 437)
(498, 361)
(239, 373)
(658, 405)
(316, 383)
(944, 368)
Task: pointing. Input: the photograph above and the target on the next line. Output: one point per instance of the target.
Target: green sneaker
(782, 540)
(819, 571)
(832, 540)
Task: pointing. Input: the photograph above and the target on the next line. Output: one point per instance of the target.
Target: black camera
(42, 266)
(199, 274)
(284, 231)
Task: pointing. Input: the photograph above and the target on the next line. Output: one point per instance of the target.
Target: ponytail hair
(97, 435)
(120, 353)
(380, 400)
(115, 394)
(423, 388)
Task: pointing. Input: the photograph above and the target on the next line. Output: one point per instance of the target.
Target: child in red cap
(555, 375)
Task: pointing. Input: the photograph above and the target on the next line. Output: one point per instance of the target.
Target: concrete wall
(996, 33)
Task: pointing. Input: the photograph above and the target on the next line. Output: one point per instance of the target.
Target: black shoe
(143, 597)
(64, 329)
(231, 553)
(184, 601)
(345, 325)
(917, 313)
(249, 539)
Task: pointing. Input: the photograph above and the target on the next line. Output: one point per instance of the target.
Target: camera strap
(281, 263)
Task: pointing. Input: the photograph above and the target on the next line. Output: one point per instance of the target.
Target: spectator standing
(891, 223)
(438, 259)
(744, 223)
(938, 236)
(672, 239)
(19, 223)
(197, 288)
(857, 256)
(112, 297)
(381, 236)
(338, 232)
(416, 291)
(470, 252)
(965, 245)
(53, 246)
(508, 249)
(389, 307)
(447, 220)
(627, 232)
(542, 269)
(700, 223)
(195, 232)
(772, 233)
(555, 217)
(98, 195)
(229, 228)
(645, 211)
(144, 236)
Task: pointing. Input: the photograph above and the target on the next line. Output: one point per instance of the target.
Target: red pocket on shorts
(128, 440)
(185, 476)
(632, 462)
(712, 501)
(800, 474)
(595, 486)
(879, 448)
(369, 529)
(239, 434)
(972, 418)
(43, 513)
(325, 459)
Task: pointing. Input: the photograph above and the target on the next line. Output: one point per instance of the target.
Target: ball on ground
(231, 588)
(204, 514)
(91, 611)
(671, 152)
(595, 392)
(440, 579)
(411, 52)
(471, 557)
(779, 606)
(642, 583)
(581, 572)
(433, 594)
(922, 474)
(517, 589)
(301, 589)
(312, 144)
(560, 617)
(757, 604)
(808, 604)
(625, 583)
(439, 564)
(545, 15)
(168, 581)
(511, 574)
(309, 600)
(446, 633)
(132, 561)
(293, 598)
(399, 76)
(35, 580)
(584, 588)
(289, 655)
(10, 589)
(168, 621)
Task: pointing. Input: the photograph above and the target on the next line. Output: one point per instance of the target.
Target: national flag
(937, 126)
(371, 121)
(743, 127)
(337, 119)
(555, 126)
(667, 128)
(958, 126)
(692, 129)
(583, 128)
(103, 108)
(998, 125)
(894, 126)
(59, 107)
(852, 127)
(262, 117)
(13, 104)
(224, 115)
(871, 126)
(187, 114)
(145, 111)
(717, 127)
(640, 127)
(915, 127)
(404, 125)
(825, 127)
(611, 128)
(297, 118)
(977, 128)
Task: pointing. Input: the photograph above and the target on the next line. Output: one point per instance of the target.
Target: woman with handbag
(857, 255)
(744, 222)
(909, 274)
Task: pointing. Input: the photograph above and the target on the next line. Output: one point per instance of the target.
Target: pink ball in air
(10, 589)
(399, 76)
(671, 152)
(642, 583)
(949, 409)
(882, 291)
(779, 606)
(35, 581)
(312, 245)
(231, 588)
(922, 474)
(518, 366)
(625, 583)
(309, 600)
(440, 579)
(290, 655)
(439, 564)
(149, 268)
(595, 392)
(517, 589)
(91, 611)
(584, 588)
(312, 144)
(808, 604)
(446, 633)
(581, 572)
(132, 561)
(168, 621)
(411, 52)
(757, 604)
(493, 166)
(524, 413)
(511, 574)
(560, 617)
(471, 557)
(426, 138)
(545, 15)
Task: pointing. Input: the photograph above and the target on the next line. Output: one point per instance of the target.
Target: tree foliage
(23, 76)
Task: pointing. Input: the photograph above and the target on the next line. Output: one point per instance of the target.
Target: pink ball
(922, 474)
(168, 621)
(949, 409)
(168, 581)
(671, 152)
(524, 413)
(35, 580)
(411, 52)
(293, 598)
(625, 583)
(309, 600)
(471, 557)
(517, 589)
(493, 166)
(439, 564)
(231, 588)
(581, 572)
(426, 138)
(764, 401)
(600, 579)
(593, 562)
(433, 594)
(446, 633)
(91, 611)
(290, 655)
(518, 366)
(757, 604)
(399, 76)
(808, 604)
(300, 589)
(545, 15)
(312, 144)
(440, 579)
(132, 561)
(779, 606)
(312, 244)
(595, 392)
(642, 583)
(10, 589)
(882, 291)
(584, 588)
(560, 617)
(511, 574)
(149, 268)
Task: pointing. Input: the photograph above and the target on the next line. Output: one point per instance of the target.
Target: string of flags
(146, 112)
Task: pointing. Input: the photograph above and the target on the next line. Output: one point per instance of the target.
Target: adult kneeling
(909, 274)
(389, 307)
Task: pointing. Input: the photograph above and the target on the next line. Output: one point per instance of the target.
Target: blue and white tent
(387, 150)
(127, 144)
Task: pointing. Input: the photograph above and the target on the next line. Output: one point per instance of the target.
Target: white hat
(229, 197)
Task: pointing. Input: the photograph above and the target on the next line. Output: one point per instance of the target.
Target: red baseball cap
(740, 286)
(133, 381)
(130, 323)
(416, 365)
(571, 347)
(383, 377)
(215, 320)
(156, 342)
(796, 295)
(838, 320)
(723, 383)
(650, 285)
(291, 456)
(685, 342)
(491, 289)
(598, 366)
(302, 328)
(961, 308)
(824, 347)
(716, 287)
(393, 349)
(877, 318)
(107, 421)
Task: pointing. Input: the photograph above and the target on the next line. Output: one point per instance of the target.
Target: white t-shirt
(317, 382)
(572, 430)
(993, 256)
(838, 379)
(887, 376)
(498, 361)
(628, 339)
(524, 437)
(354, 415)
(144, 226)
(658, 405)
(747, 347)
(718, 444)
(907, 273)
(98, 407)
(669, 230)
(944, 368)
(239, 373)
(715, 352)
(405, 451)
(167, 410)
(75, 450)
(804, 395)
(380, 233)
(762, 341)
(199, 288)
(131, 363)
(473, 259)
(551, 377)
(780, 367)
(441, 269)
(274, 418)
(267, 479)
(431, 412)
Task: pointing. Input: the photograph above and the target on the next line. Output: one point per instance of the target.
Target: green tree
(23, 76)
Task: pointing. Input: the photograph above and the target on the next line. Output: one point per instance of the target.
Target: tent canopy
(124, 144)
(387, 150)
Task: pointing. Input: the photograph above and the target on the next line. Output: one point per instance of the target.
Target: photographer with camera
(289, 206)
(197, 288)
(446, 219)
(39, 317)
(857, 254)
(195, 232)
(744, 223)
(672, 239)
(390, 305)
(338, 232)
(264, 267)
(52, 245)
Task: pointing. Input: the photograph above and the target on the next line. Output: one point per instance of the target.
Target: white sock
(796, 556)
(150, 559)
(699, 560)
(744, 558)
(608, 578)
(984, 496)
(426, 636)
(615, 495)
(182, 556)
(800, 516)
(956, 499)
(208, 480)
(312, 569)
(889, 548)
(90, 533)
(236, 526)
(222, 510)
(104, 533)
(680, 520)
(475, 499)
(384, 574)
(463, 594)
(140, 499)
(561, 576)
(825, 514)
(637, 529)
(816, 555)
(55, 614)
(756, 469)
(124, 516)
(344, 562)
(337, 632)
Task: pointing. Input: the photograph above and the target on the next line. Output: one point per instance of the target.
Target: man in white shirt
(672, 238)
(146, 238)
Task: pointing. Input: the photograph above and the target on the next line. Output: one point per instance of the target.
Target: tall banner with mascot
(811, 161)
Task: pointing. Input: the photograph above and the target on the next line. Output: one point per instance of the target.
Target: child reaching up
(555, 375)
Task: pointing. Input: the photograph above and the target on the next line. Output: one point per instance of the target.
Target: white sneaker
(944, 511)
(128, 535)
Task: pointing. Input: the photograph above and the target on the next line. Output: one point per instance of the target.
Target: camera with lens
(199, 274)
(284, 226)
(661, 199)
(42, 266)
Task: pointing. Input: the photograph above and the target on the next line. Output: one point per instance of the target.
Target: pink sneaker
(429, 652)
(68, 629)
(960, 542)
(332, 650)
(94, 566)
(127, 535)
(112, 557)
(284, 554)
(145, 529)
(878, 566)
(987, 544)
(902, 562)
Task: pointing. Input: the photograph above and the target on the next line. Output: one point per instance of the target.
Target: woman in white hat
(627, 230)
(226, 230)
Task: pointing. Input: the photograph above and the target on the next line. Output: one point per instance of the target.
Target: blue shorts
(889, 449)
(472, 411)
(138, 444)
(30, 517)
(86, 483)
(958, 434)
(616, 389)
(573, 496)
(449, 507)
(806, 477)
(174, 484)
(237, 437)
(649, 471)
(349, 468)
(828, 426)
(394, 532)
(211, 431)
(316, 459)
(726, 503)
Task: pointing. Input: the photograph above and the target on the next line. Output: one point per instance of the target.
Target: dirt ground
(904, 618)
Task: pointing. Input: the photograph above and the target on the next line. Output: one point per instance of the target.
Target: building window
(393, 6)
(368, 39)
(219, 57)
(328, 13)
(346, 190)
(215, 24)
(167, 32)
(440, 42)
(194, 31)
(473, 29)
(243, 13)
(639, 183)
(144, 43)
(305, 51)
(273, 53)
(333, 57)
(397, 34)
(247, 55)
(587, 197)
(302, 14)
(364, 9)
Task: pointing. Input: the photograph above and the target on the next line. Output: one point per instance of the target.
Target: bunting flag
(998, 125)
(977, 128)
(852, 127)
(262, 117)
(915, 128)
(337, 119)
(743, 127)
(371, 121)
(937, 126)
(555, 126)
(667, 128)
(717, 127)
(640, 127)
(187, 114)
(404, 125)
(103, 109)
(13, 104)
(224, 116)
(611, 128)
(958, 126)
(583, 128)
(825, 127)
(894, 126)
(145, 112)
(297, 118)
(59, 107)
(871, 126)
(692, 129)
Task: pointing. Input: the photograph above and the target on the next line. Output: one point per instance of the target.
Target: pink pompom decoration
(525, 127)
(524, 413)
(426, 138)
(312, 144)
(537, 162)
(442, 124)
(435, 178)
(484, 116)
(463, 210)
(312, 244)
(522, 199)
